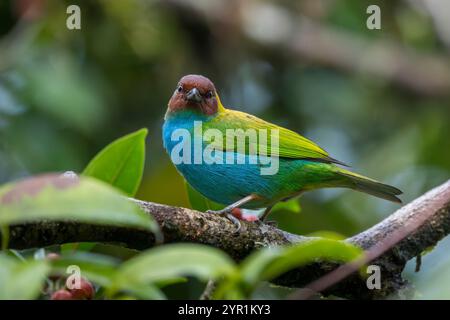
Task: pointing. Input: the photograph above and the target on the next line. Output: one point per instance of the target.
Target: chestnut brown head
(195, 92)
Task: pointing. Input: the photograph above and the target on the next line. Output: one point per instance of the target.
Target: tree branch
(185, 225)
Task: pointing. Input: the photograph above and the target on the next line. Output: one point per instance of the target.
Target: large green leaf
(121, 163)
(57, 197)
(21, 280)
(272, 262)
(95, 267)
(104, 270)
(175, 260)
(305, 253)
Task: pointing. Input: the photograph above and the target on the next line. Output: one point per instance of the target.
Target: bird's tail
(370, 186)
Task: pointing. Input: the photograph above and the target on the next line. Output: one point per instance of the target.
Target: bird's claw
(235, 221)
(227, 214)
(271, 223)
(222, 212)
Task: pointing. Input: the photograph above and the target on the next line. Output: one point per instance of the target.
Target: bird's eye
(209, 95)
(179, 89)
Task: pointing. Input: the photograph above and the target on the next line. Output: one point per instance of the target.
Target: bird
(302, 164)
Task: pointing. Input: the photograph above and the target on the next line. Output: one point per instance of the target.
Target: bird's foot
(227, 214)
(271, 223)
(237, 213)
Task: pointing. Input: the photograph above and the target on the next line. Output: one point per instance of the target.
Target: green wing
(291, 144)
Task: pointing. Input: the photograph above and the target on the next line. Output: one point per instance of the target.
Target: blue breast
(226, 183)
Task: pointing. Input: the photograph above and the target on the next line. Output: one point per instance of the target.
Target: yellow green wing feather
(291, 144)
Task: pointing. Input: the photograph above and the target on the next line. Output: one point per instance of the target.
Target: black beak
(194, 96)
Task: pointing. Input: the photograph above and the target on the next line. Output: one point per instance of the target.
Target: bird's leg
(266, 213)
(263, 217)
(227, 210)
(235, 205)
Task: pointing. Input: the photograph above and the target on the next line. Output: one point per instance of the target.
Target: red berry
(86, 290)
(62, 295)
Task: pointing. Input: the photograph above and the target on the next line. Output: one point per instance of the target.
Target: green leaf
(102, 270)
(72, 247)
(199, 202)
(306, 253)
(292, 206)
(121, 163)
(175, 260)
(15, 254)
(272, 262)
(56, 197)
(143, 291)
(95, 267)
(21, 280)
(4, 230)
(170, 281)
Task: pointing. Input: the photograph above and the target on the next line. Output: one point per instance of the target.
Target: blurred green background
(376, 99)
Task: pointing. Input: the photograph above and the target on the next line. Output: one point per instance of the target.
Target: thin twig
(209, 290)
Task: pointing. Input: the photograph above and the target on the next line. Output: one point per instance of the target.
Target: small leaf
(175, 260)
(199, 202)
(21, 280)
(291, 205)
(121, 163)
(56, 197)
